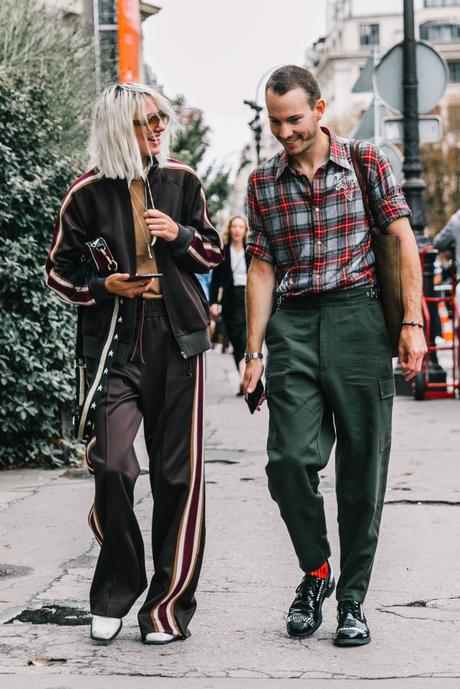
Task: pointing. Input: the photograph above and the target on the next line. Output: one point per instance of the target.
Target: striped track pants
(167, 392)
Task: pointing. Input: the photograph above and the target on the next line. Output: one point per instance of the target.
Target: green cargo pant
(330, 377)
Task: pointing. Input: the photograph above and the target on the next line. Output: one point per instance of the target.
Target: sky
(216, 53)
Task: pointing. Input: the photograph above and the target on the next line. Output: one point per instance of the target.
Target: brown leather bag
(387, 260)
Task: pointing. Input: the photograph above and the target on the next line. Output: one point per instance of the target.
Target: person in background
(205, 282)
(228, 289)
(449, 237)
(151, 212)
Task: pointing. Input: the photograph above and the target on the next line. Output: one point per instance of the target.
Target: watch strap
(249, 356)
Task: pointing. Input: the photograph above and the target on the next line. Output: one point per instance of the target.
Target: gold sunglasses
(152, 120)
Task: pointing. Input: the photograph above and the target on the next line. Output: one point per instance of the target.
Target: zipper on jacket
(182, 353)
(165, 299)
(160, 270)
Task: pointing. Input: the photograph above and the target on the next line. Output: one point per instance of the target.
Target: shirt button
(316, 210)
(316, 277)
(318, 241)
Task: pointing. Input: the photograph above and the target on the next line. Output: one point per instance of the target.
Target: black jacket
(222, 278)
(95, 206)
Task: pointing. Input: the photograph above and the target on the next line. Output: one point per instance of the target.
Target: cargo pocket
(386, 393)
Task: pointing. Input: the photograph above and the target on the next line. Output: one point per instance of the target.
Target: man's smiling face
(292, 119)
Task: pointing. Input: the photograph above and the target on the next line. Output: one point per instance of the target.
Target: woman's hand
(161, 225)
(214, 311)
(117, 284)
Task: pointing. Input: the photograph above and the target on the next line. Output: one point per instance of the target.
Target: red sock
(322, 572)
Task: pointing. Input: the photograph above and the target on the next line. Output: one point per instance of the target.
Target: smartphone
(148, 276)
(252, 400)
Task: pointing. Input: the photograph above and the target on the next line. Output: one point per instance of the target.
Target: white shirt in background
(238, 263)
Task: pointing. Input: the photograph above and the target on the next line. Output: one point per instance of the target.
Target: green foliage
(217, 189)
(40, 119)
(190, 145)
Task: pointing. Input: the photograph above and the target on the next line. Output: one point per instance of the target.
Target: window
(108, 47)
(441, 3)
(368, 34)
(454, 71)
(107, 11)
(440, 32)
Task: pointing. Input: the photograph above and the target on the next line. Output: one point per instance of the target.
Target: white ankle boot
(159, 638)
(105, 628)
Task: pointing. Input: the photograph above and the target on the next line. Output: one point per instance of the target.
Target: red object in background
(423, 388)
(129, 40)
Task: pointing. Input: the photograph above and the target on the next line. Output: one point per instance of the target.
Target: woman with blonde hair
(228, 288)
(139, 219)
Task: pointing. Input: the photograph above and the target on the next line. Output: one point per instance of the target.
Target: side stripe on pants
(94, 524)
(189, 535)
(93, 520)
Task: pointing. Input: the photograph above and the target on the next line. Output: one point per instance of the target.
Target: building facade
(100, 20)
(355, 32)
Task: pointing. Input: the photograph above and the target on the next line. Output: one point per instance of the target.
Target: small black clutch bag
(253, 398)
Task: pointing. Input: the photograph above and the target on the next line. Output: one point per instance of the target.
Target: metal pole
(413, 185)
(257, 129)
(255, 126)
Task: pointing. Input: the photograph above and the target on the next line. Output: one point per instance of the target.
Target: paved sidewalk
(249, 573)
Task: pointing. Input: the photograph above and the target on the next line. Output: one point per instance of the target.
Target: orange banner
(129, 40)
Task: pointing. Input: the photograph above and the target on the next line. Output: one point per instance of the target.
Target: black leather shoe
(304, 616)
(352, 629)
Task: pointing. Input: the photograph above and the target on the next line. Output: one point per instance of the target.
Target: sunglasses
(152, 120)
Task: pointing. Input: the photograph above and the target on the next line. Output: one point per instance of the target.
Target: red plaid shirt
(317, 235)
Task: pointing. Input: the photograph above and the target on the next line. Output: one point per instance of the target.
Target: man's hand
(411, 350)
(161, 225)
(259, 302)
(252, 373)
(116, 284)
(412, 346)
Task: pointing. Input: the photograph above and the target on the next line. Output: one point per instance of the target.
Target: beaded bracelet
(413, 324)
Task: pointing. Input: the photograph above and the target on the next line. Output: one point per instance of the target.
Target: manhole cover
(14, 571)
(57, 614)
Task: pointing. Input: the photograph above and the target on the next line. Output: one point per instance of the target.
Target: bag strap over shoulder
(362, 181)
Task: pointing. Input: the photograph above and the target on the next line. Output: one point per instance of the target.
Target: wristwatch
(249, 356)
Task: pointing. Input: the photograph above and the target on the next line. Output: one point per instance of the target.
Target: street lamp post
(414, 185)
(413, 188)
(255, 125)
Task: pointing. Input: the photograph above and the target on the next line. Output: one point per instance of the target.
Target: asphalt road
(47, 555)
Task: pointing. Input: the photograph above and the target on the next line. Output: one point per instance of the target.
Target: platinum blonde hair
(113, 147)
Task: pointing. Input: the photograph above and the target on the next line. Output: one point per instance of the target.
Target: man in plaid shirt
(329, 376)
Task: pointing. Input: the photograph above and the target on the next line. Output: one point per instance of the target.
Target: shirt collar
(283, 163)
(338, 149)
(337, 153)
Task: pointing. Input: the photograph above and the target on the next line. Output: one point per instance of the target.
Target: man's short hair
(291, 77)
